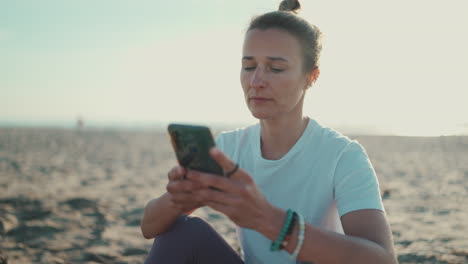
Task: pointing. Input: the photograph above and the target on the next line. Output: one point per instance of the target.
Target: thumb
(229, 166)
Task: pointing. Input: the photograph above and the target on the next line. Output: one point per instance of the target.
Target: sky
(388, 67)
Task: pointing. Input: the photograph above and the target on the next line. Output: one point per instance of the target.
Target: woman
(297, 191)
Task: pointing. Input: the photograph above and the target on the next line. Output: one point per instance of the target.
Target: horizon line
(346, 129)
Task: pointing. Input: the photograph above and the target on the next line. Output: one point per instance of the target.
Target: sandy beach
(70, 196)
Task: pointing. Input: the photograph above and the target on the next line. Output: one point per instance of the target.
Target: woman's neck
(278, 136)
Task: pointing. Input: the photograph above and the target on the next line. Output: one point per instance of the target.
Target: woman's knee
(180, 240)
(187, 226)
(195, 223)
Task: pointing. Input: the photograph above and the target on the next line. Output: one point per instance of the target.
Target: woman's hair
(286, 19)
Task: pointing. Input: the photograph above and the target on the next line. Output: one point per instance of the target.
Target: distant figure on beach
(79, 123)
(297, 191)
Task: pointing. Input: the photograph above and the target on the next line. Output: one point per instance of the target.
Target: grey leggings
(191, 240)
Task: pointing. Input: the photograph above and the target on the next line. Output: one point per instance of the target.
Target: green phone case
(192, 144)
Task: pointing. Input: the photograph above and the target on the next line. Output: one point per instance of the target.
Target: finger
(176, 173)
(228, 165)
(224, 161)
(183, 186)
(231, 212)
(211, 180)
(210, 195)
(224, 209)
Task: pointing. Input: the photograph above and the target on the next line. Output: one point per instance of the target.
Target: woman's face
(272, 75)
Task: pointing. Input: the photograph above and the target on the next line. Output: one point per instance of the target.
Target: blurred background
(387, 67)
(88, 87)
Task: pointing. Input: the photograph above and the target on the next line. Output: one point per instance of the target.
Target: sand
(78, 197)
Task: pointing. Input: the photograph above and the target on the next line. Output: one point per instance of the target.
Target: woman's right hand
(180, 190)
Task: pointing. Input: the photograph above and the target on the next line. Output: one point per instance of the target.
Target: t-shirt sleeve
(355, 183)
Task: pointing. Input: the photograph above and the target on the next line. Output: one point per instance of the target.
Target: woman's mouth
(259, 100)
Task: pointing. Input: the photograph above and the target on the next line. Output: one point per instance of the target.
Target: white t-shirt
(323, 176)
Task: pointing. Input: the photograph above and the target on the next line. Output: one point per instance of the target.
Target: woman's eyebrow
(270, 58)
(277, 59)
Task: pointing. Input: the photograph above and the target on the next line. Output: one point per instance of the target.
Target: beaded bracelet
(301, 237)
(275, 245)
(290, 230)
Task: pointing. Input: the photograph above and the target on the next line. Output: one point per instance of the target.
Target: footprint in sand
(17, 212)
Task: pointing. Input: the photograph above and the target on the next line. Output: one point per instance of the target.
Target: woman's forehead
(271, 43)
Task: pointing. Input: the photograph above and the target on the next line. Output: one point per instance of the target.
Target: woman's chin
(262, 112)
(261, 115)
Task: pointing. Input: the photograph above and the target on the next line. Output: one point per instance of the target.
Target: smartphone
(191, 144)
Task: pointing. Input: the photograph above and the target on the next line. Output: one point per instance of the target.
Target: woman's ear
(313, 76)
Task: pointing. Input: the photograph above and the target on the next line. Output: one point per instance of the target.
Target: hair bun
(290, 5)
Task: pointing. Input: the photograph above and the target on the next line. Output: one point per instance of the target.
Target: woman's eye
(249, 68)
(276, 70)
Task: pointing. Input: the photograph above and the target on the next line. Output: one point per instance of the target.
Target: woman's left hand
(239, 197)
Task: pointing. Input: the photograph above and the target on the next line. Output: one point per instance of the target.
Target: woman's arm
(368, 238)
(160, 213)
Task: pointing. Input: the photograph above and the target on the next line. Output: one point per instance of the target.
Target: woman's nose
(258, 78)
